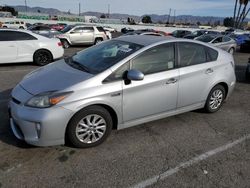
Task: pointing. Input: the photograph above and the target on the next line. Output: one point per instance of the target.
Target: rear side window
(212, 54)
(191, 54)
(100, 29)
(15, 36)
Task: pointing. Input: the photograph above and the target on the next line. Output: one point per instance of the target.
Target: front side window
(103, 56)
(118, 74)
(88, 29)
(15, 36)
(226, 39)
(205, 38)
(157, 59)
(78, 30)
(191, 54)
(217, 40)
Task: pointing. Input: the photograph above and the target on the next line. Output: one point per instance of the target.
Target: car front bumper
(39, 127)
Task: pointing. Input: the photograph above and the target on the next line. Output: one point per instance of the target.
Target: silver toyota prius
(118, 84)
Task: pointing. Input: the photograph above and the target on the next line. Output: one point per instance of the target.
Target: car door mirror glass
(135, 75)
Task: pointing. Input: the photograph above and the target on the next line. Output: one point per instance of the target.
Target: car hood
(53, 77)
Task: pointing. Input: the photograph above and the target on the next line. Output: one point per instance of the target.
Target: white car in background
(24, 46)
(14, 25)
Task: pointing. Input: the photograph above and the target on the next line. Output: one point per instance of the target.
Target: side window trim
(106, 81)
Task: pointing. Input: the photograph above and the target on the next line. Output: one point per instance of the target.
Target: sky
(222, 8)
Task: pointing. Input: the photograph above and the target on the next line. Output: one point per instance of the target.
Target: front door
(157, 92)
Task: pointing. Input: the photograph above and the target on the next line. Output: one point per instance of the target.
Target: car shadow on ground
(240, 71)
(6, 135)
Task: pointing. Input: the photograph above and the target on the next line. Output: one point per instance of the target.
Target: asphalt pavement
(193, 149)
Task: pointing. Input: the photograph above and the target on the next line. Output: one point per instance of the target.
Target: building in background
(5, 14)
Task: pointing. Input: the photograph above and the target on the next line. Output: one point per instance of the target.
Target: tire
(65, 44)
(231, 51)
(21, 27)
(217, 96)
(87, 134)
(42, 57)
(5, 27)
(98, 40)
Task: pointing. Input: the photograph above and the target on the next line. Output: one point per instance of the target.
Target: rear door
(88, 35)
(196, 73)
(8, 47)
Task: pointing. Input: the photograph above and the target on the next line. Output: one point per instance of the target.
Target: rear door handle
(209, 71)
(171, 81)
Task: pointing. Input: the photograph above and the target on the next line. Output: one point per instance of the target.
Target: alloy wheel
(216, 99)
(91, 128)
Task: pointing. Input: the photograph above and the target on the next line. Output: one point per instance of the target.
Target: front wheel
(231, 51)
(215, 99)
(65, 44)
(89, 127)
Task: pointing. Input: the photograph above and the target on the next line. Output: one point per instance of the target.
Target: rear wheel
(98, 40)
(89, 127)
(42, 57)
(215, 99)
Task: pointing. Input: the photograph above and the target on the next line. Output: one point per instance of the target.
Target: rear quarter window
(212, 55)
(100, 29)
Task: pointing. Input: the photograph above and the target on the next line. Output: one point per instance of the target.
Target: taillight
(59, 44)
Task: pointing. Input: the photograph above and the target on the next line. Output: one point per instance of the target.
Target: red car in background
(58, 27)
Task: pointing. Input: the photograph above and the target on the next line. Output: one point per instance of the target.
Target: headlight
(46, 100)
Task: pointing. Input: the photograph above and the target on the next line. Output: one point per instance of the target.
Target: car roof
(145, 40)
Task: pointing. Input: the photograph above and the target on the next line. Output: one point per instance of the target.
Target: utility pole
(108, 10)
(169, 15)
(26, 8)
(79, 9)
(174, 15)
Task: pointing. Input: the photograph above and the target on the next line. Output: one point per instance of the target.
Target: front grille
(16, 101)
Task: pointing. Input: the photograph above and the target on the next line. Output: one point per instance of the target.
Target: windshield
(101, 57)
(66, 29)
(206, 38)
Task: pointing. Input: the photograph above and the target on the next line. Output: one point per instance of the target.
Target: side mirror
(135, 75)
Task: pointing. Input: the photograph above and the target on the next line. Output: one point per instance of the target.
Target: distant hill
(155, 18)
(50, 11)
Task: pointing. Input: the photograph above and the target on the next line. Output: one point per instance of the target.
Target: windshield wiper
(77, 65)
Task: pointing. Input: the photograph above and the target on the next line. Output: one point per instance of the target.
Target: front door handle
(171, 81)
(209, 71)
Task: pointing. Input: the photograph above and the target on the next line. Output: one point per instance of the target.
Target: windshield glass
(206, 38)
(66, 29)
(102, 56)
